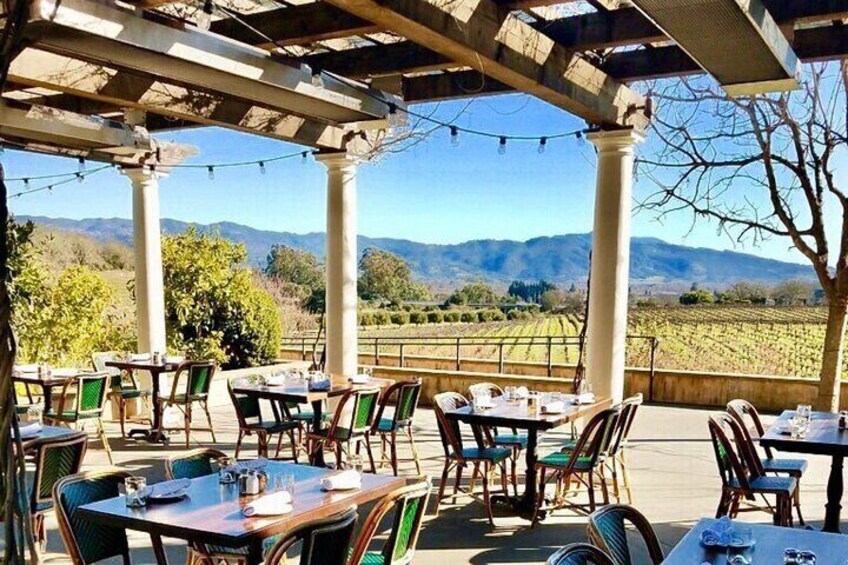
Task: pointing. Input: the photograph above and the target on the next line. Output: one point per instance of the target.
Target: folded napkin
(522, 392)
(269, 505)
(139, 356)
(167, 489)
(585, 398)
(555, 407)
(488, 403)
(275, 380)
(360, 379)
(257, 464)
(31, 368)
(346, 480)
(30, 429)
(174, 358)
(718, 534)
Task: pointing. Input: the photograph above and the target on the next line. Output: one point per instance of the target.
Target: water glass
(35, 413)
(799, 427)
(806, 558)
(355, 463)
(226, 470)
(804, 411)
(136, 488)
(790, 556)
(509, 393)
(285, 483)
(368, 372)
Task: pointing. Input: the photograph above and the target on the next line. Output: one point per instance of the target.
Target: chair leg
(458, 483)
(798, 502)
(591, 488)
(414, 449)
(238, 443)
(616, 491)
(102, 433)
(205, 405)
(370, 453)
(187, 416)
(514, 472)
(625, 475)
(486, 499)
(540, 498)
(122, 414)
(384, 457)
(442, 484)
(394, 453)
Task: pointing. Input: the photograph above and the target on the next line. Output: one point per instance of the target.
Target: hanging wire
(75, 177)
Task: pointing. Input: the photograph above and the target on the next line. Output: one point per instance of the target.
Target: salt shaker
(843, 420)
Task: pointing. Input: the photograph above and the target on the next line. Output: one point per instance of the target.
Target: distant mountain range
(562, 258)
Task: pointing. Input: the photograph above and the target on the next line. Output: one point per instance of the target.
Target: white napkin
(275, 380)
(167, 489)
(346, 480)
(585, 398)
(139, 356)
(360, 379)
(64, 372)
(522, 392)
(555, 407)
(269, 505)
(30, 429)
(718, 534)
(488, 403)
(31, 368)
(174, 358)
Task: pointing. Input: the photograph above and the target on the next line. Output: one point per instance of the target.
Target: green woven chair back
(99, 360)
(325, 542)
(409, 512)
(407, 401)
(91, 394)
(247, 406)
(449, 430)
(596, 438)
(55, 459)
(200, 378)
(364, 409)
(580, 554)
(608, 530)
(194, 464)
(93, 541)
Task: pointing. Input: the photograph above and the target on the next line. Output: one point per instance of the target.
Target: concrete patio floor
(673, 475)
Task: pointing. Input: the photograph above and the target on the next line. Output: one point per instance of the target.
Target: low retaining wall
(693, 388)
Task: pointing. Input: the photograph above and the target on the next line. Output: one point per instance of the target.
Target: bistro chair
(303, 417)
(513, 440)
(86, 541)
(745, 412)
(583, 463)
(351, 425)
(192, 464)
(607, 530)
(409, 504)
(249, 414)
(742, 478)
(54, 459)
(324, 542)
(457, 457)
(615, 458)
(197, 382)
(89, 398)
(405, 395)
(580, 554)
(123, 386)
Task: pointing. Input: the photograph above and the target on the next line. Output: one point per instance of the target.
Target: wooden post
(550, 357)
(458, 362)
(401, 355)
(377, 351)
(500, 358)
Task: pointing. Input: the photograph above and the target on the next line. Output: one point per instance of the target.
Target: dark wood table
(771, 541)
(516, 415)
(212, 512)
(299, 392)
(47, 381)
(823, 438)
(155, 370)
(47, 433)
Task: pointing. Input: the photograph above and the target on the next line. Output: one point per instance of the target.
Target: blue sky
(433, 192)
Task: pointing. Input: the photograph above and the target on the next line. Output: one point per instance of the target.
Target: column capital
(615, 139)
(338, 160)
(143, 173)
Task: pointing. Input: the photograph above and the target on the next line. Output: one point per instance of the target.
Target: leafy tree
(792, 291)
(552, 300)
(213, 309)
(756, 293)
(474, 293)
(296, 267)
(530, 292)
(385, 276)
(700, 296)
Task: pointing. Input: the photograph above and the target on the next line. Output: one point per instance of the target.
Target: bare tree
(763, 167)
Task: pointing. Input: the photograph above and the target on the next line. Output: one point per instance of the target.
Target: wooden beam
(88, 30)
(380, 60)
(295, 25)
(449, 86)
(478, 34)
(121, 88)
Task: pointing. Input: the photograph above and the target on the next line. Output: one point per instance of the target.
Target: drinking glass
(790, 556)
(35, 413)
(226, 470)
(368, 372)
(806, 558)
(804, 411)
(799, 427)
(355, 463)
(136, 488)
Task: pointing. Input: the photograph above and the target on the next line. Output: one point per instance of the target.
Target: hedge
(418, 317)
(453, 316)
(435, 317)
(382, 318)
(470, 317)
(400, 318)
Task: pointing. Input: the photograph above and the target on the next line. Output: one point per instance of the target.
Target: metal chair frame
(188, 367)
(388, 439)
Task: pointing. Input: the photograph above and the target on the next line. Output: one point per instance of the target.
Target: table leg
(254, 552)
(834, 495)
(47, 391)
(158, 549)
(527, 503)
(317, 422)
(152, 435)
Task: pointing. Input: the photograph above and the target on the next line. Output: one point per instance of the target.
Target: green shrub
(366, 318)
(533, 310)
(382, 318)
(453, 316)
(435, 317)
(470, 317)
(418, 317)
(400, 318)
(492, 315)
(516, 314)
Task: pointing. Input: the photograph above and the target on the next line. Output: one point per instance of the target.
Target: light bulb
(502, 146)
(204, 18)
(317, 80)
(26, 183)
(454, 136)
(580, 140)
(211, 170)
(81, 165)
(80, 177)
(542, 143)
(262, 167)
(303, 157)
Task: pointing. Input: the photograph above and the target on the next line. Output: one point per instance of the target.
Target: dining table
(47, 380)
(30, 443)
(156, 370)
(291, 390)
(823, 437)
(211, 513)
(518, 415)
(769, 544)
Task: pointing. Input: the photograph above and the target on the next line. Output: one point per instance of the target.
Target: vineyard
(736, 339)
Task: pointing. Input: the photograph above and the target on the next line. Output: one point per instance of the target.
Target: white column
(147, 243)
(608, 293)
(341, 263)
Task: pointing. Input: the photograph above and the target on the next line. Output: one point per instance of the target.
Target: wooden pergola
(327, 74)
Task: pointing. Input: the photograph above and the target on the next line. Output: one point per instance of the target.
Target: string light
(542, 143)
(454, 136)
(502, 145)
(303, 157)
(211, 170)
(26, 183)
(262, 167)
(81, 165)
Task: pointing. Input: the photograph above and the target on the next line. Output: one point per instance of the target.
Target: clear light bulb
(211, 170)
(303, 157)
(542, 143)
(502, 146)
(26, 183)
(204, 17)
(80, 177)
(454, 136)
(317, 79)
(81, 165)
(262, 167)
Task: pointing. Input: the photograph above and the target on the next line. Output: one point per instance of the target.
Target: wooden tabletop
(47, 379)
(145, 365)
(47, 433)
(823, 436)
(771, 541)
(212, 513)
(299, 391)
(516, 414)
